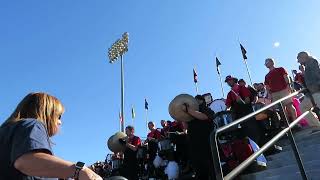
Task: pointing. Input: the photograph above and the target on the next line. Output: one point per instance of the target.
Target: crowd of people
(26, 151)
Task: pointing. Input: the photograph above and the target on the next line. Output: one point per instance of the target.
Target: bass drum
(218, 105)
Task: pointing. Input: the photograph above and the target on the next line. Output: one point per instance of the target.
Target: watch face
(80, 165)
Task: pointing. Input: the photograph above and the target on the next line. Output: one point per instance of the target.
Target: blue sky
(60, 47)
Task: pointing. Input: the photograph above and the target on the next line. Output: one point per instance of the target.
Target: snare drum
(261, 116)
(142, 152)
(223, 118)
(116, 163)
(218, 105)
(164, 145)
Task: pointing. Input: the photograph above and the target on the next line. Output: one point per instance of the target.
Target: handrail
(247, 162)
(247, 117)
(243, 165)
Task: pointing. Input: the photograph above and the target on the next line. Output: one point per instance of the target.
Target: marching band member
(199, 130)
(130, 164)
(165, 128)
(238, 100)
(278, 84)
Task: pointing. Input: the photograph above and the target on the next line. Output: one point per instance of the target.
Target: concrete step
(302, 147)
(302, 144)
(283, 165)
(312, 175)
(280, 163)
(312, 149)
(301, 135)
(283, 171)
(290, 159)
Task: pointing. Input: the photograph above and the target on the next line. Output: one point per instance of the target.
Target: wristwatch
(79, 165)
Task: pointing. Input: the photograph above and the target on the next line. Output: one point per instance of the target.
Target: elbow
(21, 164)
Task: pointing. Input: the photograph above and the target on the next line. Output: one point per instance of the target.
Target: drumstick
(238, 96)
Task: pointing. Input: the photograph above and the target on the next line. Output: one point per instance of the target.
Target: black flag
(218, 63)
(195, 76)
(243, 51)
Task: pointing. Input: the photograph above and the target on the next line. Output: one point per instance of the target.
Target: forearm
(198, 115)
(132, 147)
(44, 165)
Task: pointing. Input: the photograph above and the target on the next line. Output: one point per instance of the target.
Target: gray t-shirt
(17, 139)
(312, 75)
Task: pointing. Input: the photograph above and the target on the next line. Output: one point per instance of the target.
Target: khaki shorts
(280, 94)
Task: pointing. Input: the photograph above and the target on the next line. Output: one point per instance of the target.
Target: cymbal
(114, 144)
(177, 107)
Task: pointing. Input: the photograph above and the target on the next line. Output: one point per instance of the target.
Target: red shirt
(165, 130)
(154, 134)
(275, 79)
(176, 126)
(135, 140)
(242, 91)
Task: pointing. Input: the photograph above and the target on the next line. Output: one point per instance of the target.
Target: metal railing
(249, 160)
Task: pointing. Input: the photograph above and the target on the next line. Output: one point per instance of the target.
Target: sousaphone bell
(177, 107)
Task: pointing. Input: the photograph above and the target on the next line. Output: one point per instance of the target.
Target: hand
(122, 141)
(186, 107)
(88, 174)
(238, 99)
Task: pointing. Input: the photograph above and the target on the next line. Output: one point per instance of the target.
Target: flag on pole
(218, 63)
(195, 76)
(146, 104)
(243, 51)
(133, 113)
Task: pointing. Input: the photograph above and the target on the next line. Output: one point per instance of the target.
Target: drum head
(218, 105)
(116, 178)
(177, 109)
(114, 144)
(261, 116)
(223, 118)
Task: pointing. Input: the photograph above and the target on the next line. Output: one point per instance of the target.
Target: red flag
(195, 76)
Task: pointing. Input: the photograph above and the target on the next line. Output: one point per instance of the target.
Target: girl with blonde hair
(25, 146)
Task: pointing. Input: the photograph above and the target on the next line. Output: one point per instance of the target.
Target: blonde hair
(40, 106)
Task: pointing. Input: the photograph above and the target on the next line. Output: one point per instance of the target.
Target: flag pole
(245, 62)
(218, 63)
(146, 107)
(147, 121)
(221, 84)
(120, 120)
(197, 89)
(244, 57)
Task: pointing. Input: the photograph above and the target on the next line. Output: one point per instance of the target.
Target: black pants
(130, 170)
(199, 148)
(249, 128)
